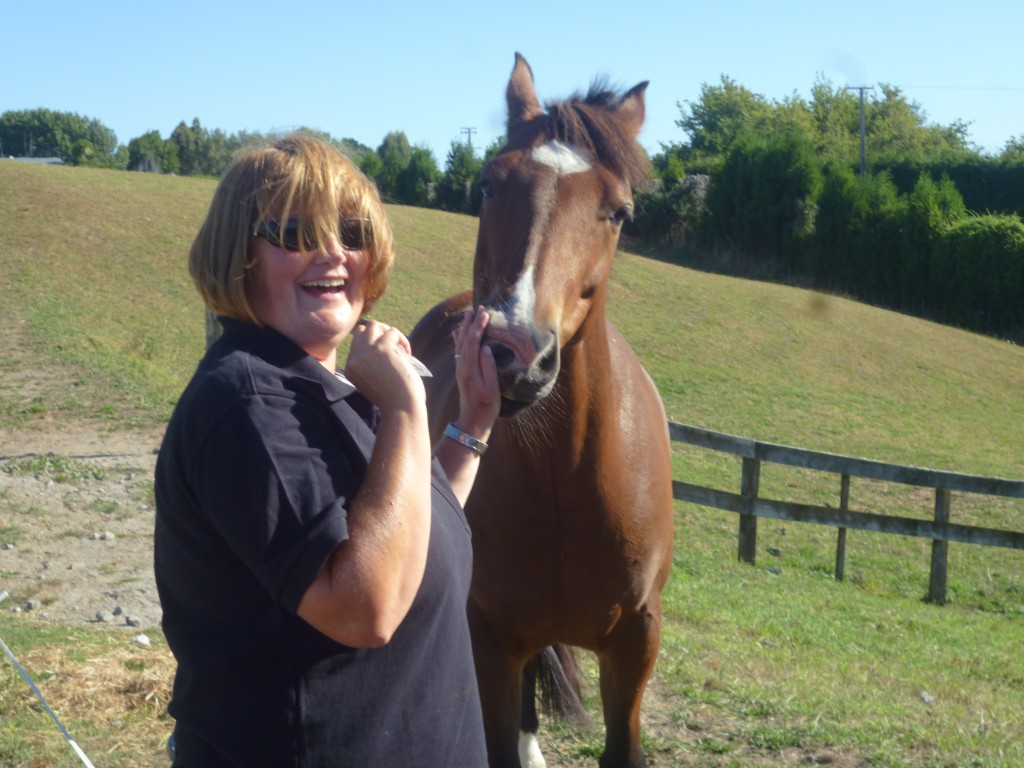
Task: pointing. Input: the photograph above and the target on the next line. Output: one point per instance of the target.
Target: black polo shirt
(255, 478)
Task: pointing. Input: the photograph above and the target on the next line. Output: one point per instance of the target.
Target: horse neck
(586, 386)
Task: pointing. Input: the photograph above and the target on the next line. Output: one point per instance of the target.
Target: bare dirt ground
(76, 507)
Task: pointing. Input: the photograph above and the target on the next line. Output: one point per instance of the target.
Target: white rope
(39, 695)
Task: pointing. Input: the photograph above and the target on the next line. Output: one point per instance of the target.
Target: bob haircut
(298, 177)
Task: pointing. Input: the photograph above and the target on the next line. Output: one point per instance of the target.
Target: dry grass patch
(110, 693)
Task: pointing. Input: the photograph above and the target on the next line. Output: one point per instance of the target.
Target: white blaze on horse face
(516, 311)
(565, 159)
(515, 314)
(524, 297)
(512, 317)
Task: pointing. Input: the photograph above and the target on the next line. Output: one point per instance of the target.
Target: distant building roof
(38, 160)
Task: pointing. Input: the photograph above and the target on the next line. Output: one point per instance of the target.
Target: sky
(437, 70)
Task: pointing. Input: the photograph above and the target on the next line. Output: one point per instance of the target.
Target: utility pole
(469, 135)
(863, 150)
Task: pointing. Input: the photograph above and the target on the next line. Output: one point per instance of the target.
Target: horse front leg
(499, 677)
(626, 663)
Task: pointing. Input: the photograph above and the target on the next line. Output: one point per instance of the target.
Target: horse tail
(560, 682)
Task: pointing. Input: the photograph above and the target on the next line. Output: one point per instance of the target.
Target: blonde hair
(299, 177)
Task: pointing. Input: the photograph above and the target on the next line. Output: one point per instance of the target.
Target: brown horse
(572, 508)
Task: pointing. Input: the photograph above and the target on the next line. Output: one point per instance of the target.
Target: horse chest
(549, 521)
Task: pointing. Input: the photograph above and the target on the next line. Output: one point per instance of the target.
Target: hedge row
(916, 248)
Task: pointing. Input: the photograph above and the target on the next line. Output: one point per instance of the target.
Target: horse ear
(521, 97)
(632, 110)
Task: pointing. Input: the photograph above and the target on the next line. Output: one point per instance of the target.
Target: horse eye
(621, 215)
(486, 189)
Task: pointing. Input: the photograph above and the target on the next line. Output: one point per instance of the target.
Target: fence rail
(749, 505)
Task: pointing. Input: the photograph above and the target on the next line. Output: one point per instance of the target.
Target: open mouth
(324, 287)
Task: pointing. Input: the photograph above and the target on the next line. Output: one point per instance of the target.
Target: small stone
(775, 571)
(131, 621)
(33, 605)
(104, 616)
(141, 640)
(927, 698)
(775, 551)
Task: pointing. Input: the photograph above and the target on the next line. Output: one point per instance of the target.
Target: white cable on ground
(39, 695)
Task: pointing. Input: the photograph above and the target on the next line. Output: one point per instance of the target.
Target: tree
(188, 142)
(395, 153)
(152, 154)
(494, 148)
(354, 150)
(721, 116)
(457, 190)
(1013, 151)
(764, 197)
(46, 133)
(218, 150)
(897, 130)
(416, 182)
(371, 165)
(836, 116)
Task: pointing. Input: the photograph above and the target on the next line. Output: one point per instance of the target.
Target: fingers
(475, 371)
(382, 335)
(378, 364)
(468, 342)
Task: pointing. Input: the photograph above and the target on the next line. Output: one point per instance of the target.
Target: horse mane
(589, 122)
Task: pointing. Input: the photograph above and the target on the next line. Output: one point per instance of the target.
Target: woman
(312, 559)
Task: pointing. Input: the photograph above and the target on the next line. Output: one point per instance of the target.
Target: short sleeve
(275, 481)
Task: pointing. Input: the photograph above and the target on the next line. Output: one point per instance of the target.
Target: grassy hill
(757, 665)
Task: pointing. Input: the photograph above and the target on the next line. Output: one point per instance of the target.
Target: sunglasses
(355, 234)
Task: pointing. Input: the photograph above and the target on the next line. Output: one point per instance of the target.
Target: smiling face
(313, 297)
(295, 238)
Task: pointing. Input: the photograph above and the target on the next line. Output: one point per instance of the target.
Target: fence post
(844, 505)
(940, 549)
(748, 521)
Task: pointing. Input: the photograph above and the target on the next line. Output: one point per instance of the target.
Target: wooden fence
(749, 505)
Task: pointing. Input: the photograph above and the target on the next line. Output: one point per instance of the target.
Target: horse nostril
(549, 361)
(503, 356)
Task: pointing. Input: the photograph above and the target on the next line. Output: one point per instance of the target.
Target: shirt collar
(280, 351)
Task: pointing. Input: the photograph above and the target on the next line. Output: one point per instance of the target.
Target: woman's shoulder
(238, 371)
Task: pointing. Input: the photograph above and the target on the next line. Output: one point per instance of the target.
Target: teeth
(325, 284)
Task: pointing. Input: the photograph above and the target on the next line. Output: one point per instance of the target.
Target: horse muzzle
(527, 362)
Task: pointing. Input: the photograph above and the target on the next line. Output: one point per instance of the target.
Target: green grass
(60, 469)
(756, 667)
(11, 534)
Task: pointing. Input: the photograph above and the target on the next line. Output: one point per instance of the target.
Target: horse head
(554, 202)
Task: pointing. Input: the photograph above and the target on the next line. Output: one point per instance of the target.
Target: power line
(963, 87)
